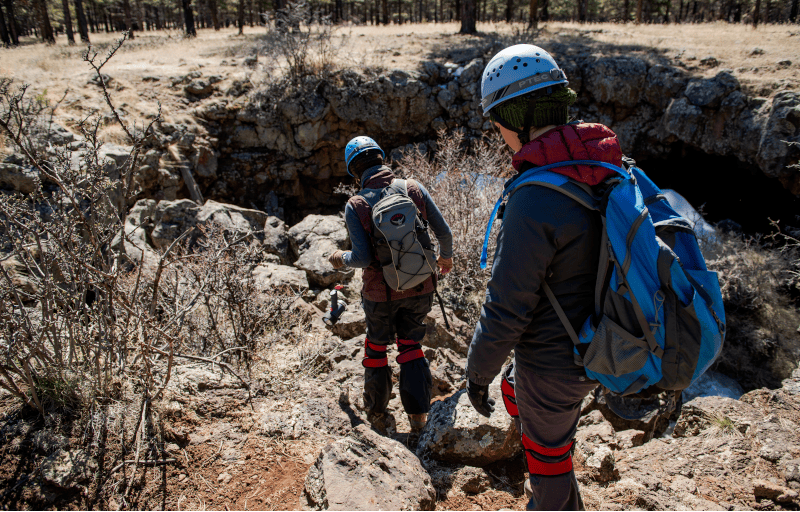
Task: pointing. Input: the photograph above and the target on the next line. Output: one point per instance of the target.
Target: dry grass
(166, 53)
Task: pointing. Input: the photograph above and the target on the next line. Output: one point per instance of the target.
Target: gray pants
(549, 410)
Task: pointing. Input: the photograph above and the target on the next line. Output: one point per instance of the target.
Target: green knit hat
(550, 109)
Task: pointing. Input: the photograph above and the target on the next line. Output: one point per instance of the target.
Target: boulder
(270, 276)
(173, 218)
(276, 238)
(314, 239)
(456, 433)
(366, 471)
(18, 178)
(619, 80)
(69, 469)
(710, 93)
(437, 335)
(307, 417)
(594, 443)
(447, 370)
(352, 323)
(138, 223)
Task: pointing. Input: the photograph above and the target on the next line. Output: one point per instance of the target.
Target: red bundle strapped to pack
(374, 362)
(536, 466)
(410, 350)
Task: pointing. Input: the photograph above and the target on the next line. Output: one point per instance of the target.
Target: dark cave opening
(725, 188)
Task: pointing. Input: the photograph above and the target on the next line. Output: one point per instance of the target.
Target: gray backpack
(402, 244)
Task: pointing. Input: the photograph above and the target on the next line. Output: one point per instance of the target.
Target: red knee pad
(536, 466)
(509, 398)
(374, 362)
(410, 350)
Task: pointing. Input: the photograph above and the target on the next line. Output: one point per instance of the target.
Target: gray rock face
(312, 241)
(617, 80)
(137, 225)
(709, 93)
(437, 335)
(18, 178)
(173, 218)
(270, 276)
(69, 469)
(368, 472)
(456, 433)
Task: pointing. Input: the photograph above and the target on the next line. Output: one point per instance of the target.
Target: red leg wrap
(509, 398)
(410, 350)
(538, 467)
(374, 362)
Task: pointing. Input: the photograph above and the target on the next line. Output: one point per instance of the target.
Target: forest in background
(46, 19)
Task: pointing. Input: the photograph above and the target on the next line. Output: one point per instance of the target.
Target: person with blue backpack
(388, 223)
(595, 278)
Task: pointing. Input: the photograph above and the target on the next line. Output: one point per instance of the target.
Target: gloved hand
(336, 259)
(479, 397)
(446, 264)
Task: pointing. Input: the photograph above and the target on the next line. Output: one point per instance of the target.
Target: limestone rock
(368, 472)
(456, 433)
(69, 469)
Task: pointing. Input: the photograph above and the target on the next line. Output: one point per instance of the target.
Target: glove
(479, 397)
(446, 264)
(336, 259)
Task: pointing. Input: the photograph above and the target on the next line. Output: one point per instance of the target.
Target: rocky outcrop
(314, 239)
(366, 471)
(456, 433)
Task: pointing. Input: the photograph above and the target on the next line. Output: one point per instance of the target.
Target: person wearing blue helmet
(392, 316)
(545, 238)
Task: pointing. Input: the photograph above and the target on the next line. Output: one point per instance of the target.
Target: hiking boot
(382, 422)
(417, 421)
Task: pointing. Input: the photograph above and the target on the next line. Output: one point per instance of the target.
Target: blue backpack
(658, 319)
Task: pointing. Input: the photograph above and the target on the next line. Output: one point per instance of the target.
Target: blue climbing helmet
(357, 146)
(518, 70)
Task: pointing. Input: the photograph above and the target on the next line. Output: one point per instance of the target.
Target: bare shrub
(301, 40)
(465, 180)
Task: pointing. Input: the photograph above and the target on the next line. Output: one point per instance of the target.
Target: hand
(446, 264)
(336, 259)
(479, 396)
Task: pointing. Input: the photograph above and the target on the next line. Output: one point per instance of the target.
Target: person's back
(545, 238)
(392, 315)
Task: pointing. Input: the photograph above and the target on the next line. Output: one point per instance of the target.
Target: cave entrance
(725, 188)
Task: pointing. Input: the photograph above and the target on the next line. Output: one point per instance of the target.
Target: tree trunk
(139, 16)
(13, 28)
(240, 17)
(4, 30)
(44, 22)
(509, 10)
(67, 22)
(126, 9)
(793, 12)
(188, 18)
(639, 8)
(756, 12)
(582, 11)
(626, 11)
(212, 7)
(533, 18)
(468, 12)
(385, 11)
